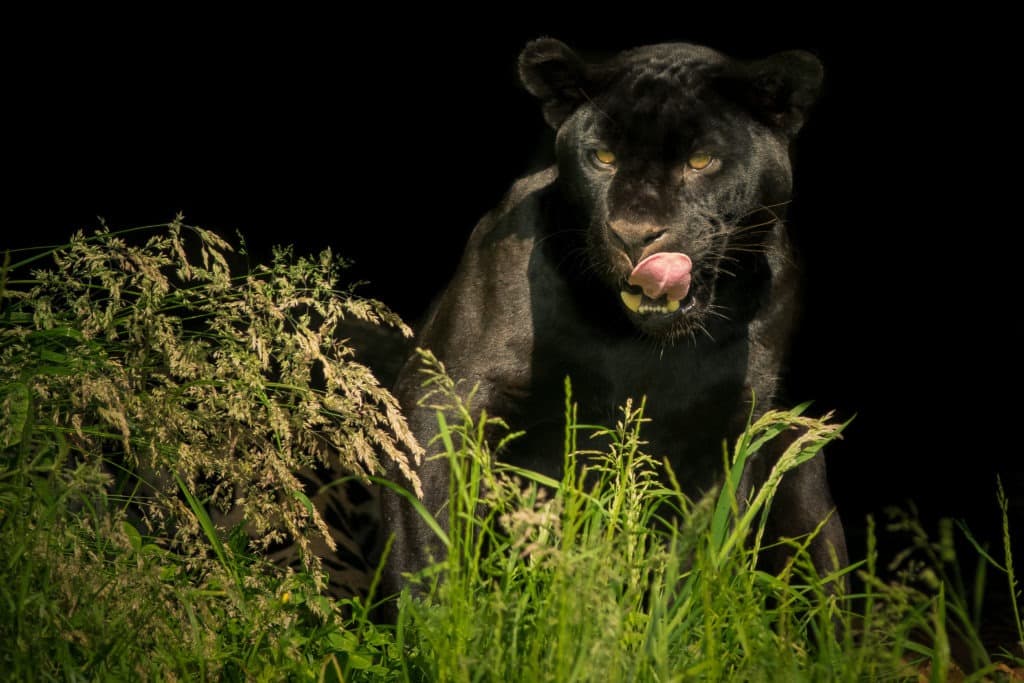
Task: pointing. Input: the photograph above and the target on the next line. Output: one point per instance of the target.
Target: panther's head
(676, 160)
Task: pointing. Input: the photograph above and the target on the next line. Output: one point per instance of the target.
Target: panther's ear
(779, 90)
(555, 75)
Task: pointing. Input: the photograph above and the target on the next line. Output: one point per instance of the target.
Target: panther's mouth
(641, 304)
(660, 285)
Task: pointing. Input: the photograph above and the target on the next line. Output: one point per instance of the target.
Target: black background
(386, 138)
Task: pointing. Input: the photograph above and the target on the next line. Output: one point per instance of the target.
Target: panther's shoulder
(527, 186)
(517, 214)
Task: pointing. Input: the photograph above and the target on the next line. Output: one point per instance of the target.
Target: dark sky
(388, 138)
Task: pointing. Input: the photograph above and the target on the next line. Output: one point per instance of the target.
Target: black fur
(537, 294)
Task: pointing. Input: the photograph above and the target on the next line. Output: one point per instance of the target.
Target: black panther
(650, 260)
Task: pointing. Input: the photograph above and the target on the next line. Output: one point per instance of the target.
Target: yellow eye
(605, 156)
(698, 161)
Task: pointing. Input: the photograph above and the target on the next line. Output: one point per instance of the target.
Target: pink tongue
(663, 273)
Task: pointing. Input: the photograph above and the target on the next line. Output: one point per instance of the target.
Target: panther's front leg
(416, 543)
(801, 505)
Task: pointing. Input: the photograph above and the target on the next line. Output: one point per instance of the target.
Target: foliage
(146, 392)
(612, 574)
(143, 393)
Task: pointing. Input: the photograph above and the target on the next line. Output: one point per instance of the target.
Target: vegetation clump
(146, 391)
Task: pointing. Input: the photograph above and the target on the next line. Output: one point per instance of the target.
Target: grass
(617, 577)
(133, 413)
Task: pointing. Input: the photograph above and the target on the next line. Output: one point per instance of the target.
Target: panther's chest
(694, 398)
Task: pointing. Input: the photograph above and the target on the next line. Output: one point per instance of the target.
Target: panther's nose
(635, 238)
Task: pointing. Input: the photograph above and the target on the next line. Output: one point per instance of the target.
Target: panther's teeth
(632, 301)
(635, 303)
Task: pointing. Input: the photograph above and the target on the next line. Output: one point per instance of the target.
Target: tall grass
(141, 392)
(612, 575)
(146, 391)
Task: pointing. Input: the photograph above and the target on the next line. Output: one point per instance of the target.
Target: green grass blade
(417, 505)
(208, 529)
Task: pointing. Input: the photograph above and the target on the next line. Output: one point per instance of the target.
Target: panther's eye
(698, 161)
(604, 156)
